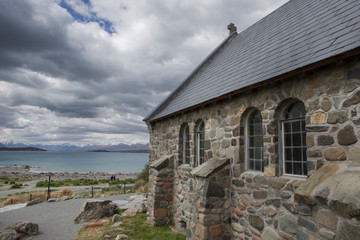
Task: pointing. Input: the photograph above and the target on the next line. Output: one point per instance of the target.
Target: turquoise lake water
(110, 162)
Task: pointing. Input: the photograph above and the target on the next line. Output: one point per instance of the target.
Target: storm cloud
(88, 72)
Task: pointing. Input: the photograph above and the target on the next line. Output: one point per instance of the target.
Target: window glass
(200, 143)
(255, 142)
(294, 140)
(186, 147)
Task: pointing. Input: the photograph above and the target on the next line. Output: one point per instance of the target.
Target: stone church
(262, 139)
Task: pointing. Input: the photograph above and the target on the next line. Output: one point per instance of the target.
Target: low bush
(66, 191)
(16, 186)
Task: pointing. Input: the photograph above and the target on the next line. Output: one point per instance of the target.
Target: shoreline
(27, 172)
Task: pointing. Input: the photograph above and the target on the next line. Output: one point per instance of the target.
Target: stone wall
(331, 96)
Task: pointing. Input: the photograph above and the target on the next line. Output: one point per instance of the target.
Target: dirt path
(56, 220)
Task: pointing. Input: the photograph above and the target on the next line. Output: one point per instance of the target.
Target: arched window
(199, 134)
(294, 140)
(255, 142)
(186, 144)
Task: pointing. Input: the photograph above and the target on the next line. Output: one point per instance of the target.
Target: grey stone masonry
(225, 199)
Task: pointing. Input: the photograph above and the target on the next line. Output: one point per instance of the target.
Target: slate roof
(299, 33)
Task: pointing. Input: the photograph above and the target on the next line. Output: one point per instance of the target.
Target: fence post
(124, 187)
(92, 191)
(30, 197)
(49, 191)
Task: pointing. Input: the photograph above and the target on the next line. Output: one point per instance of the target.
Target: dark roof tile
(299, 33)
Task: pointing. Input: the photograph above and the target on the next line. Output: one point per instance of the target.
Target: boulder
(116, 218)
(135, 209)
(96, 209)
(27, 228)
(9, 235)
(53, 200)
(336, 185)
(35, 201)
(121, 236)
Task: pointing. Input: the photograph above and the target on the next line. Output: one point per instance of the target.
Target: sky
(88, 71)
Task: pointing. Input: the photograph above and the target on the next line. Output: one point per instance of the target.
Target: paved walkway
(56, 220)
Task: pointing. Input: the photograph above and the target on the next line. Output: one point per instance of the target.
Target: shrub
(144, 175)
(139, 183)
(66, 191)
(16, 186)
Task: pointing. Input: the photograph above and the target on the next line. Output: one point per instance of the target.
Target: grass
(135, 227)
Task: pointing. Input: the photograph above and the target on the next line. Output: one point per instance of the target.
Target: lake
(110, 162)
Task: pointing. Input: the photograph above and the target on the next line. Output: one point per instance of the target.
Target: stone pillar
(161, 191)
(213, 206)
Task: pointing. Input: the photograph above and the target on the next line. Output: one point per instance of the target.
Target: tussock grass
(23, 198)
(66, 191)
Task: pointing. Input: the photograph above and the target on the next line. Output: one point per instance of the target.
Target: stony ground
(25, 172)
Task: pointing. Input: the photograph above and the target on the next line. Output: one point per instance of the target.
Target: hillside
(138, 147)
(21, 149)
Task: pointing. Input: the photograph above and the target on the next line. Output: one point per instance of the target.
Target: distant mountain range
(138, 147)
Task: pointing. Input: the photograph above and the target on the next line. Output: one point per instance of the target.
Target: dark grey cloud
(64, 78)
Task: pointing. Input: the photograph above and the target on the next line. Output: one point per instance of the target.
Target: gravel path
(56, 220)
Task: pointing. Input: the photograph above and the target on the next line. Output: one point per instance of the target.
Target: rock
(65, 198)
(307, 224)
(316, 128)
(327, 218)
(217, 230)
(325, 140)
(271, 211)
(286, 236)
(305, 210)
(116, 218)
(35, 201)
(202, 231)
(348, 231)
(117, 224)
(270, 234)
(337, 117)
(334, 154)
(27, 228)
(237, 227)
(326, 233)
(354, 154)
(260, 194)
(256, 221)
(121, 236)
(9, 234)
(135, 209)
(288, 223)
(96, 209)
(318, 118)
(346, 136)
(355, 99)
(301, 235)
(53, 200)
(291, 207)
